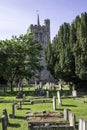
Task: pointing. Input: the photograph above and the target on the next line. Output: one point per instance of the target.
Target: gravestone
(80, 126)
(59, 98)
(54, 102)
(6, 115)
(74, 93)
(36, 85)
(47, 94)
(60, 85)
(13, 111)
(40, 84)
(72, 119)
(47, 86)
(4, 122)
(84, 125)
(66, 114)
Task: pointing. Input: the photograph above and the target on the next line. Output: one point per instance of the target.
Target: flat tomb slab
(45, 117)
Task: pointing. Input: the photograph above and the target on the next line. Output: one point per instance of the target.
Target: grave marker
(74, 93)
(47, 94)
(72, 119)
(13, 110)
(6, 115)
(80, 124)
(59, 98)
(4, 123)
(84, 125)
(54, 102)
(66, 114)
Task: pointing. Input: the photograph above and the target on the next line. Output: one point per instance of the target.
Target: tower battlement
(41, 33)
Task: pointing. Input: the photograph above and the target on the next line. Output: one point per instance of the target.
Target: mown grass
(20, 123)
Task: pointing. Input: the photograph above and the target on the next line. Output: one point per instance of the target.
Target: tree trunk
(11, 86)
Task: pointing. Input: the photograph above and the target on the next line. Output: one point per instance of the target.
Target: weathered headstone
(18, 87)
(84, 125)
(36, 85)
(59, 98)
(47, 94)
(6, 115)
(54, 102)
(66, 114)
(72, 119)
(80, 126)
(40, 84)
(60, 85)
(74, 93)
(4, 123)
(13, 110)
(47, 86)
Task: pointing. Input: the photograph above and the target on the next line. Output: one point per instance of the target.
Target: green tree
(21, 58)
(69, 49)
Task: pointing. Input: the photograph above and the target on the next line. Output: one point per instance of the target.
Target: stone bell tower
(42, 35)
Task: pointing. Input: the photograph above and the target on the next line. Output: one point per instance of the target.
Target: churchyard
(44, 107)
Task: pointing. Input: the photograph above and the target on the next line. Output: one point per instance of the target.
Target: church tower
(42, 35)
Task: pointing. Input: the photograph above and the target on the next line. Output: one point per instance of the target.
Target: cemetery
(60, 109)
(43, 85)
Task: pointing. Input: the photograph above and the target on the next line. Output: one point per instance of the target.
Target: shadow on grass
(1, 98)
(20, 117)
(14, 125)
(26, 103)
(67, 105)
(23, 109)
(62, 109)
(0, 119)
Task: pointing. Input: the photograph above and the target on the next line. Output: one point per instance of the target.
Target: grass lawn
(20, 123)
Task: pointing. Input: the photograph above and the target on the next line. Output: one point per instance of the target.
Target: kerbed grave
(47, 120)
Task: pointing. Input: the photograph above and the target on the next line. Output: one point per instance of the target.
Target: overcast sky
(17, 15)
